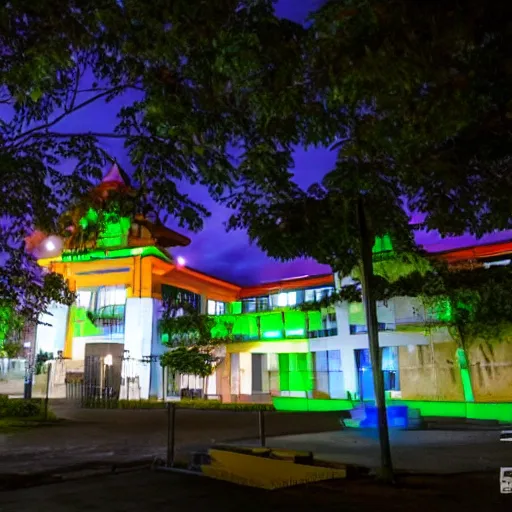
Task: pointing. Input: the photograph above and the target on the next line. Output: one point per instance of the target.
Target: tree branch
(59, 135)
(75, 91)
(49, 124)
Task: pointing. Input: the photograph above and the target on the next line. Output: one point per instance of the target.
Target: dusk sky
(229, 255)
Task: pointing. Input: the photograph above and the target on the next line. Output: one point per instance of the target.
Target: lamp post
(126, 359)
(108, 361)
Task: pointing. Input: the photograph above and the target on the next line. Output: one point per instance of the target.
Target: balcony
(107, 322)
(272, 326)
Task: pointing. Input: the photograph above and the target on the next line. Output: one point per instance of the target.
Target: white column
(157, 349)
(348, 365)
(138, 333)
(342, 320)
(245, 373)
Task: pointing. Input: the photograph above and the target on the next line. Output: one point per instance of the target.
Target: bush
(181, 404)
(216, 404)
(19, 407)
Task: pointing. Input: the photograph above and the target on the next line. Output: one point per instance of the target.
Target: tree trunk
(370, 305)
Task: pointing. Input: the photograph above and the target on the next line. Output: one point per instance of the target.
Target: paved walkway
(164, 492)
(435, 451)
(124, 435)
(113, 436)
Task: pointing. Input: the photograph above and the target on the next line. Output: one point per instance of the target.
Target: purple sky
(229, 255)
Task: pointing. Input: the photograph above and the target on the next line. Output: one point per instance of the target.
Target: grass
(11, 425)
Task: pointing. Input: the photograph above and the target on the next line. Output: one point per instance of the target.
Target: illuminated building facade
(315, 360)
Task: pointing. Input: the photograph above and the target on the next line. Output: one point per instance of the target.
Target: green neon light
(82, 325)
(115, 233)
(115, 228)
(481, 411)
(268, 326)
(296, 372)
(465, 376)
(97, 254)
(236, 308)
(382, 244)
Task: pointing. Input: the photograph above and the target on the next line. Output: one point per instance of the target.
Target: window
(390, 371)
(317, 294)
(110, 296)
(216, 307)
(101, 310)
(284, 299)
(110, 309)
(180, 296)
(328, 374)
(255, 304)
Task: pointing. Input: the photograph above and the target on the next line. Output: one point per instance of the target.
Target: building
(315, 360)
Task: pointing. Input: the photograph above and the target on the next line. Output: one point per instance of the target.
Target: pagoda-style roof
(117, 180)
(114, 180)
(164, 236)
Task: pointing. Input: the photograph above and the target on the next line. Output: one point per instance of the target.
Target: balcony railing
(275, 326)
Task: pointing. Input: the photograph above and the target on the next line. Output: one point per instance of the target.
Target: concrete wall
(430, 372)
(490, 368)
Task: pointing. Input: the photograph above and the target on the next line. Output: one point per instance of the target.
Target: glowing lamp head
(49, 245)
(108, 360)
(180, 260)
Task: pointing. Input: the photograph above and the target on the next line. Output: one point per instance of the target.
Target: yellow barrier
(264, 472)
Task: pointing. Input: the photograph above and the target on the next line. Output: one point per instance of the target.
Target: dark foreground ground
(156, 491)
(115, 436)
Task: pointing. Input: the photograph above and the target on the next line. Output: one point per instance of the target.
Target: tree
(434, 79)
(192, 340)
(337, 223)
(207, 94)
(415, 100)
(473, 304)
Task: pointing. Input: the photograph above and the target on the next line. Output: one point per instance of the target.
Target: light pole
(108, 367)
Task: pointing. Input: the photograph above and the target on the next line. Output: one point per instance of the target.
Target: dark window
(181, 296)
(255, 304)
(257, 373)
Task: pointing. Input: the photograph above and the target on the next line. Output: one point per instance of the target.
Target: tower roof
(114, 179)
(115, 175)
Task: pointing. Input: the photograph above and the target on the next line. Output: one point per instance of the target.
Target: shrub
(216, 404)
(19, 407)
(181, 404)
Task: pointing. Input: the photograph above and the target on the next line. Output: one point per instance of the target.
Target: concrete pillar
(223, 376)
(348, 366)
(235, 374)
(204, 305)
(342, 320)
(157, 349)
(245, 373)
(138, 337)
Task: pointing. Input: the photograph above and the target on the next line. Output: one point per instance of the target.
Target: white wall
(347, 343)
(52, 337)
